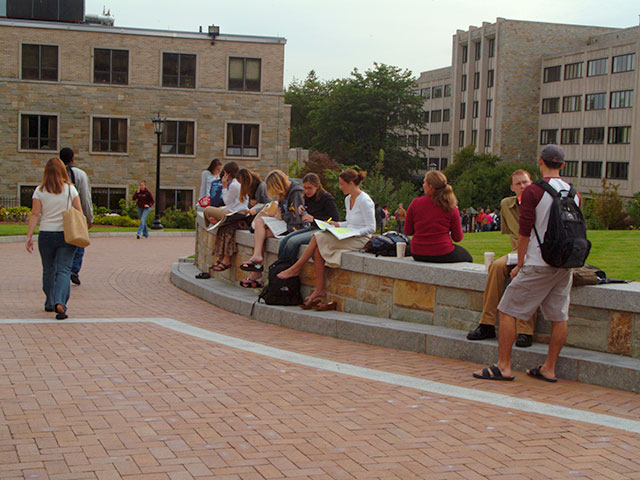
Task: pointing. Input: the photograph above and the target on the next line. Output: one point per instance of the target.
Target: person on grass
(326, 249)
(535, 283)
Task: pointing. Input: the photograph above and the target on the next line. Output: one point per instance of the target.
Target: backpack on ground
(215, 193)
(278, 291)
(590, 275)
(385, 245)
(565, 242)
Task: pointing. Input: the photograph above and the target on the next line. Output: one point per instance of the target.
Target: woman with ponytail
(434, 222)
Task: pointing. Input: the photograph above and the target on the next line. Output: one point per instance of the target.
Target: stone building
(587, 105)
(497, 87)
(95, 88)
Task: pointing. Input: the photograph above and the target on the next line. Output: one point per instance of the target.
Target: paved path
(145, 381)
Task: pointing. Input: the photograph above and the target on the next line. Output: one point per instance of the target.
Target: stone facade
(602, 318)
(75, 99)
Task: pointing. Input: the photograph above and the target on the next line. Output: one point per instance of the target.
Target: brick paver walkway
(135, 400)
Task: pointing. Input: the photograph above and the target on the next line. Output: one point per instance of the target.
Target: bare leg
(506, 337)
(261, 233)
(296, 268)
(321, 270)
(558, 338)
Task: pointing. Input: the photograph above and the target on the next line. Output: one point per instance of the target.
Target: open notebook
(339, 232)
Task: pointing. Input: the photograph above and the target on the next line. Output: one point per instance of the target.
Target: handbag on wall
(75, 227)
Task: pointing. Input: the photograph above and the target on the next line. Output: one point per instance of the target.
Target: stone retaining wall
(604, 318)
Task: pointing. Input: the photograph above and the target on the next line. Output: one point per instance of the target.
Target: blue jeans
(57, 256)
(290, 245)
(77, 261)
(401, 227)
(143, 213)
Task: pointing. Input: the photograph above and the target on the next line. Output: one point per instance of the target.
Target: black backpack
(565, 241)
(278, 291)
(385, 245)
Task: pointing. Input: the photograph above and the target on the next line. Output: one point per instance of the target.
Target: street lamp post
(158, 128)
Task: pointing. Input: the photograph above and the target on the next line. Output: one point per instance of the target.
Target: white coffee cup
(401, 248)
(488, 259)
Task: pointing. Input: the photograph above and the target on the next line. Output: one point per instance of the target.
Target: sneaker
(524, 340)
(138, 237)
(482, 332)
(75, 279)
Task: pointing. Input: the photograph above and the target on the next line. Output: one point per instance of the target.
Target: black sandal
(249, 283)
(203, 276)
(251, 266)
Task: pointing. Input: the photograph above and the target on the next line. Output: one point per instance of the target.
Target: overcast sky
(334, 36)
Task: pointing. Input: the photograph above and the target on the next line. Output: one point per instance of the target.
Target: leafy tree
(609, 208)
(303, 98)
(319, 163)
(481, 180)
(385, 191)
(369, 112)
(633, 209)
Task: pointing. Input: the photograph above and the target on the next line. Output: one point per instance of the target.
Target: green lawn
(617, 252)
(7, 229)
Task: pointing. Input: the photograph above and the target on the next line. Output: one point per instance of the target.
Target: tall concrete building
(498, 86)
(95, 88)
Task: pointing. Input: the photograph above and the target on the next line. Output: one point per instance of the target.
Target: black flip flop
(536, 373)
(497, 374)
(252, 267)
(203, 276)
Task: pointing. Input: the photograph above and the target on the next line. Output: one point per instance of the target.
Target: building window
(244, 74)
(108, 197)
(412, 141)
(434, 140)
(474, 109)
(618, 170)
(573, 70)
(423, 141)
(425, 116)
(178, 70)
(463, 83)
(492, 47)
(490, 79)
(623, 63)
(447, 90)
(572, 103)
(177, 138)
(40, 62)
(593, 135)
(621, 99)
(595, 101)
(619, 135)
(570, 168)
(552, 74)
(461, 138)
(174, 198)
(548, 136)
(550, 105)
(446, 113)
(465, 53)
(111, 66)
(591, 169)
(474, 137)
(38, 132)
(436, 116)
(478, 52)
(242, 140)
(463, 110)
(109, 135)
(487, 138)
(26, 195)
(489, 108)
(597, 67)
(443, 163)
(437, 92)
(425, 93)
(445, 139)
(570, 136)
(476, 80)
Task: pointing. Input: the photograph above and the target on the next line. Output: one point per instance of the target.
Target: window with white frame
(621, 99)
(38, 132)
(243, 140)
(623, 63)
(597, 67)
(548, 136)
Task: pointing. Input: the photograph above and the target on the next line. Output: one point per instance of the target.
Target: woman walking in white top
(54, 195)
(326, 249)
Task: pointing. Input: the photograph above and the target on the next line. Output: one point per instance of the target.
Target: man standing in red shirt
(535, 283)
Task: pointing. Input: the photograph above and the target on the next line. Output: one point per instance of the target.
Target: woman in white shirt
(326, 249)
(208, 176)
(230, 196)
(54, 195)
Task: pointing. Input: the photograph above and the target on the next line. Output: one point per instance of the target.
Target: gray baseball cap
(552, 153)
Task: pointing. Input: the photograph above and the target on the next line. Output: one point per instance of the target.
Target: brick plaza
(142, 382)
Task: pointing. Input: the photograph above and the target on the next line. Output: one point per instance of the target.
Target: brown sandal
(309, 304)
(323, 307)
(221, 267)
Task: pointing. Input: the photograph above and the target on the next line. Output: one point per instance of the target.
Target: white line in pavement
(494, 399)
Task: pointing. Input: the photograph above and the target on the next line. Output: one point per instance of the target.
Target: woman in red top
(434, 220)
